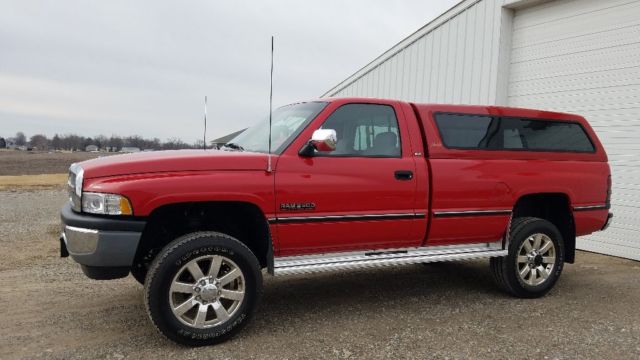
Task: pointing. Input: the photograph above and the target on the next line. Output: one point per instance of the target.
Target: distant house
(129, 149)
(10, 143)
(91, 148)
(217, 143)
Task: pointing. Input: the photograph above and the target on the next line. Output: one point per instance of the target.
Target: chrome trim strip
(386, 257)
(333, 218)
(471, 213)
(590, 207)
(81, 230)
(81, 241)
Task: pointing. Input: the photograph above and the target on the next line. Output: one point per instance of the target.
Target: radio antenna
(204, 137)
(270, 106)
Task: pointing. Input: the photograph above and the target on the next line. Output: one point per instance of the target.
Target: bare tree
(175, 144)
(156, 144)
(39, 142)
(100, 141)
(86, 142)
(134, 141)
(56, 142)
(21, 138)
(115, 143)
(199, 144)
(72, 142)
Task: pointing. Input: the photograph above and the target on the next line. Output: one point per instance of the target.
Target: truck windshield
(287, 123)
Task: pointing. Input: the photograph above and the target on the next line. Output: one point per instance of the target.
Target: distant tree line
(114, 143)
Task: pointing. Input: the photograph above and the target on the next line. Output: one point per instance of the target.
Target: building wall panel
(583, 56)
(454, 62)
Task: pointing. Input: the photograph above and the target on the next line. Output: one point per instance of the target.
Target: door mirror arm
(307, 150)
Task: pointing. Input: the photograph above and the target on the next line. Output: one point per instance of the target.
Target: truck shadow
(297, 303)
(342, 295)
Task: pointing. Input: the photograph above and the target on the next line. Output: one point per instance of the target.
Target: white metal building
(580, 56)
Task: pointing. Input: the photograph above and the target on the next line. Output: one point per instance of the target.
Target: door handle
(404, 174)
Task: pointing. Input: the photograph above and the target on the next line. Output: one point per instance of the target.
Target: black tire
(172, 259)
(506, 269)
(139, 272)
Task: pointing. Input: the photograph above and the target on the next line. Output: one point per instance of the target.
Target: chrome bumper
(100, 247)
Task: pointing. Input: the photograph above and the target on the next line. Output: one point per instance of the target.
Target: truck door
(359, 196)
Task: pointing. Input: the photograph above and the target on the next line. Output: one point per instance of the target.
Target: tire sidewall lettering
(211, 335)
(178, 254)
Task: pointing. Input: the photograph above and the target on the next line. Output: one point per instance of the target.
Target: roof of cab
(469, 109)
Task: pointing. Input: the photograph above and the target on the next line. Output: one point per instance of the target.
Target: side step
(358, 260)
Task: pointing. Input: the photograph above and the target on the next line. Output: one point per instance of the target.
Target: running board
(358, 260)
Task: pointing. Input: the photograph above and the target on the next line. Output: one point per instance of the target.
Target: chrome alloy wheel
(207, 291)
(536, 259)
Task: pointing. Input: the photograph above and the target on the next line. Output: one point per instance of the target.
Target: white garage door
(583, 56)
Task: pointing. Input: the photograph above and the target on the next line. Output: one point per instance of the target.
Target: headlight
(105, 204)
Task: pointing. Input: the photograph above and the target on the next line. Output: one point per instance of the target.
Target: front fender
(151, 191)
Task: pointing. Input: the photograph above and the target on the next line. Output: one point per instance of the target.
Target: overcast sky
(143, 67)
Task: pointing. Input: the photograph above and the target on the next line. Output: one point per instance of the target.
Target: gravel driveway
(49, 309)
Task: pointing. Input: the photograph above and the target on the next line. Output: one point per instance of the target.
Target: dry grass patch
(21, 182)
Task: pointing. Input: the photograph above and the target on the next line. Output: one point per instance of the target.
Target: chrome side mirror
(324, 139)
(321, 140)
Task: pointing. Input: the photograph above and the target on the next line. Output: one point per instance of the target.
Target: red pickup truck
(350, 183)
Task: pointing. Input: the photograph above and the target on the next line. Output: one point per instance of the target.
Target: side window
(512, 139)
(481, 132)
(546, 135)
(368, 130)
(464, 131)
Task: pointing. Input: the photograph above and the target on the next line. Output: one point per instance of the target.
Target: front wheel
(535, 259)
(202, 288)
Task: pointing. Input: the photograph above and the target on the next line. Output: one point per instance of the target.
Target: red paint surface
(444, 180)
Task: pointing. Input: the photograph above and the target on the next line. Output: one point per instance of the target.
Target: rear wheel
(202, 288)
(535, 259)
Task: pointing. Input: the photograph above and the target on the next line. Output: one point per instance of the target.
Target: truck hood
(173, 161)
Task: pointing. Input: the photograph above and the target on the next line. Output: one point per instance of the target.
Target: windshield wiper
(233, 146)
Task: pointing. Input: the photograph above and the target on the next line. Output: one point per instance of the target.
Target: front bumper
(105, 247)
